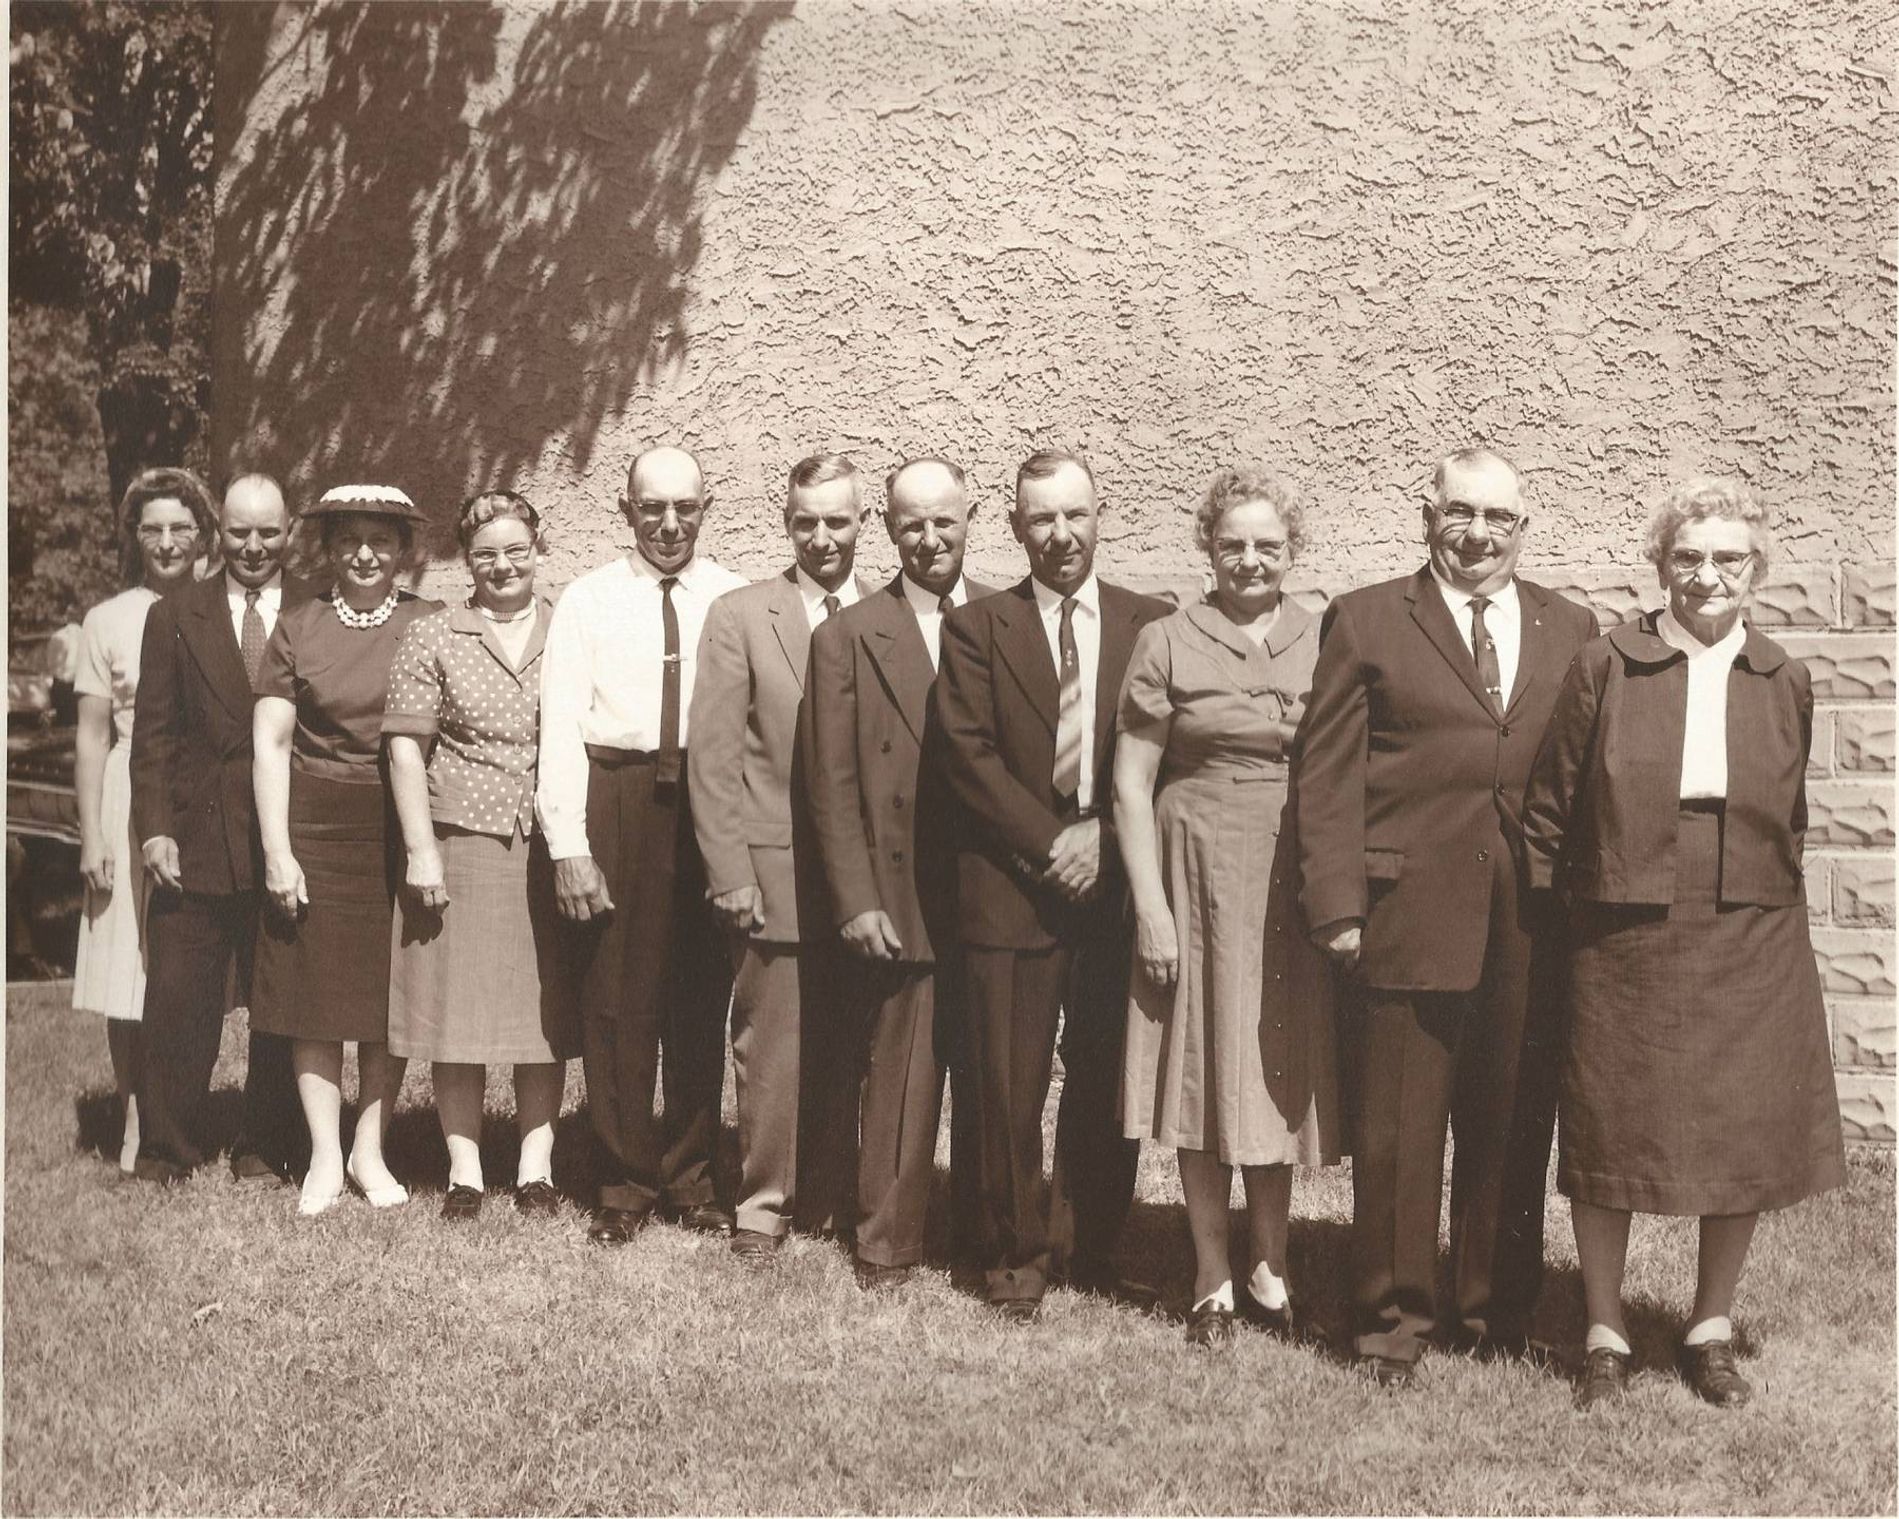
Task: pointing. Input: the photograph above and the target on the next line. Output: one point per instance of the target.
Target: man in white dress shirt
(193, 813)
(614, 805)
(752, 820)
(1429, 700)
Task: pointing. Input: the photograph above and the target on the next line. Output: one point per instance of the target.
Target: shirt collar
(814, 594)
(1672, 633)
(689, 575)
(1087, 596)
(1504, 599)
(272, 587)
(929, 601)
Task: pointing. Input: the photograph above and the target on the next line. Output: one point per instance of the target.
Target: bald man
(613, 803)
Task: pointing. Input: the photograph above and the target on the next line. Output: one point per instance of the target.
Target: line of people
(1279, 888)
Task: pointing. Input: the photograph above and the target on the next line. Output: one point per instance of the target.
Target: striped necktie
(1069, 726)
(1484, 648)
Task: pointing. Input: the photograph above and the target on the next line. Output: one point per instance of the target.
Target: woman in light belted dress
(1229, 1056)
(167, 523)
(1668, 806)
(476, 974)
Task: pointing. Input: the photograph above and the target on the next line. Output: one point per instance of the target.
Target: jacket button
(1483, 854)
(884, 747)
(897, 802)
(1499, 788)
(897, 855)
(1505, 730)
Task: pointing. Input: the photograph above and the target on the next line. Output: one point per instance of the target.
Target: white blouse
(1704, 741)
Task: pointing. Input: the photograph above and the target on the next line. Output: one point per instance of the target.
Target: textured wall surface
(1620, 241)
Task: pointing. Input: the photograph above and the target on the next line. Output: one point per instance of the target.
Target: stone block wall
(515, 241)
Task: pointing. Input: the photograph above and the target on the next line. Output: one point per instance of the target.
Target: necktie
(945, 606)
(667, 773)
(1489, 672)
(830, 607)
(250, 642)
(1068, 727)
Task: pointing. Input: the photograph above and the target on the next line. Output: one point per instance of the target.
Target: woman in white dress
(167, 522)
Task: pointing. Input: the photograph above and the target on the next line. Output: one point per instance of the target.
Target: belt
(610, 758)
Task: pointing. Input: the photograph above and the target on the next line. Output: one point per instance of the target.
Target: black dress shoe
(1103, 1281)
(1710, 1370)
(875, 1278)
(1605, 1377)
(537, 1198)
(462, 1204)
(701, 1218)
(754, 1247)
(1275, 1321)
(1391, 1371)
(1210, 1326)
(250, 1168)
(1019, 1310)
(615, 1226)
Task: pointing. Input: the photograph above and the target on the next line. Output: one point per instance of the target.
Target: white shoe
(314, 1199)
(391, 1196)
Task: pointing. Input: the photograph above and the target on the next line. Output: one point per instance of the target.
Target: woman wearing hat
(322, 970)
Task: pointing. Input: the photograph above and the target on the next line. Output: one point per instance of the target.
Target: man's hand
(425, 878)
(741, 910)
(1074, 860)
(283, 884)
(1340, 941)
(580, 891)
(1156, 947)
(95, 868)
(161, 862)
(873, 936)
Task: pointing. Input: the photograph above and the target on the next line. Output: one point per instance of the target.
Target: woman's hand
(283, 884)
(95, 866)
(1156, 947)
(425, 878)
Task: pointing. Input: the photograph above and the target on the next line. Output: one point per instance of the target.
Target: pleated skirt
(1697, 1079)
(326, 976)
(483, 981)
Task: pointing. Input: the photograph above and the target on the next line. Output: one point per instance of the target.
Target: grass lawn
(202, 1350)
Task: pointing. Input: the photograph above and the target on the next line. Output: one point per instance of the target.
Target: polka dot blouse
(452, 682)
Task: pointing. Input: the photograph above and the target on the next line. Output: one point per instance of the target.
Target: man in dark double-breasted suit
(1026, 703)
(886, 832)
(194, 817)
(1429, 700)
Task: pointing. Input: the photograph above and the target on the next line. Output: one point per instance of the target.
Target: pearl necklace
(497, 618)
(375, 617)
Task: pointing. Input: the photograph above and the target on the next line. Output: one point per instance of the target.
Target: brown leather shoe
(1275, 1321)
(1210, 1326)
(537, 1199)
(1605, 1378)
(1020, 1310)
(1709, 1369)
(701, 1218)
(755, 1248)
(875, 1278)
(461, 1204)
(615, 1226)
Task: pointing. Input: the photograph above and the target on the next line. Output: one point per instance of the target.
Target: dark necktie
(830, 608)
(250, 642)
(667, 773)
(946, 605)
(1489, 672)
(1068, 728)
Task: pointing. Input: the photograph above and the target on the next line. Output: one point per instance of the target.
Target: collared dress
(109, 969)
(325, 976)
(481, 981)
(1697, 1077)
(1237, 1057)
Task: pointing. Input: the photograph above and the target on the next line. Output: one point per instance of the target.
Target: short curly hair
(163, 484)
(1242, 484)
(495, 506)
(1699, 498)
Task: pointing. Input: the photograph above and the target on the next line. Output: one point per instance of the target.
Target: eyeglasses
(1459, 516)
(517, 554)
(153, 532)
(1267, 549)
(1729, 564)
(653, 507)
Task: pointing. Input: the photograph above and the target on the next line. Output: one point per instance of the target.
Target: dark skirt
(1697, 1079)
(484, 982)
(326, 976)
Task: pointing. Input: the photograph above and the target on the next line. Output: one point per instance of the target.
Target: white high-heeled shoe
(391, 1196)
(313, 1199)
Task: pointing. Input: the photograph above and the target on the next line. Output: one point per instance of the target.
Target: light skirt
(109, 972)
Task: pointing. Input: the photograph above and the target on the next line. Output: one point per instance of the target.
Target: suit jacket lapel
(1434, 619)
(1533, 648)
(208, 634)
(1023, 647)
(787, 622)
(895, 645)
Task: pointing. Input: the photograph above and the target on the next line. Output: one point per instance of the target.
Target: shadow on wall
(423, 264)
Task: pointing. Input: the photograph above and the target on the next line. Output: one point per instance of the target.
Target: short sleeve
(278, 676)
(93, 676)
(1145, 695)
(414, 704)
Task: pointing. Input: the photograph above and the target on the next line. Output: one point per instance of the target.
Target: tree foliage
(110, 216)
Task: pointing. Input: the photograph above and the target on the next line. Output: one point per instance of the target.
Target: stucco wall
(1620, 241)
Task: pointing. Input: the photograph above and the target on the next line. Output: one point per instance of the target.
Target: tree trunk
(144, 426)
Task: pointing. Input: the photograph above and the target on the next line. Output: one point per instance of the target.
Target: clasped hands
(1074, 866)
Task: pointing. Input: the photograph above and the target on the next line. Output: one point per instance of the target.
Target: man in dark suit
(885, 830)
(192, 808)
(1428, 703)
(752, 823)
(1026, 702)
